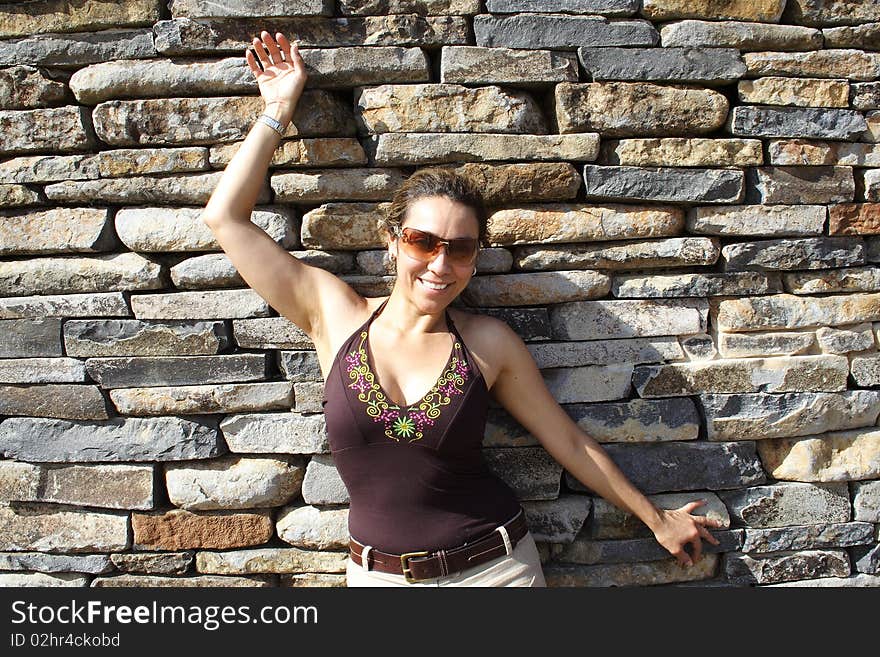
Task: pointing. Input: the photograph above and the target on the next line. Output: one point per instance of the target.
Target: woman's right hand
(281, 78)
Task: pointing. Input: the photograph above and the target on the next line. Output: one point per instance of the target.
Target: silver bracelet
(272, 123)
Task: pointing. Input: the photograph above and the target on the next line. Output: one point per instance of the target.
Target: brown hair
(435, 181)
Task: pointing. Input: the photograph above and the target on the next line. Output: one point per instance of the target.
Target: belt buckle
(404, 565)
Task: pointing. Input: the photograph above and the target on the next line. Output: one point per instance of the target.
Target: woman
(424, 508)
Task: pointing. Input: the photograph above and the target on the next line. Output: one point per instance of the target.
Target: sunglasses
(424, 246)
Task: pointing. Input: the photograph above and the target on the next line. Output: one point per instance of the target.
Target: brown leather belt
(421, 566)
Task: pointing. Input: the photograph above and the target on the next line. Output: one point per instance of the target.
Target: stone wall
(685, 230)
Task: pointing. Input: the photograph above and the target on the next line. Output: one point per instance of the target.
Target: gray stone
(597, 320)
(30, 338)
(308, 397)
(216, 270)
(742, 35)
(773, 185)
(530, 324)
(233, 482)
(867, 560)
(846, 340)
(430, 7)
(708, 66)
(78, 49)
(843, 63)
(59, 16)
(220, 304)
(313, 186)
(130, 371)
(785, 566)
(270, 333)
(873, 249)
(19, 580)
(866, 501)
(737, 375)
(107, 304)
(157, 581)
(246, 8)
(74, 402)
(593, 7)
(559, 31)
(182, 229)
(124, 271)
(638, 420)
(275, 433)
(40, 440)
(311, 528)
(810, 123)
(617, 256)
(699, 346)
(641, 109)
(830, 12)
(788, 503)
(786, 311)
(806, 253)
(370, 64)
(406, 149)
(557, 521)
(171, 121)
(744, 345)
(203, 399)
(300, 366)
(536, 288)
(808, 537)
(693, 285)
(194, 188)
(186, 36)
(311, 580)
(132, 337)
(271, 560)
(322, 483)
(529, 471)
(659, 467)
(589, 384)
(865, 95)
(758, 416)
(866, 370)
(663, 184)
(58, 230)
(763, 221)
(855, 581)
(26, 87)
(56, 563)
(592, 552)
(56, 130)
(159, 563)
(605, 352)
(851, 279)
(611, 522)
(475, 65)
(862, 37)
(631, 574)
(446, 108)
(46, 528)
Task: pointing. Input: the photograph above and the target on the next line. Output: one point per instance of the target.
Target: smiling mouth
(434, 286)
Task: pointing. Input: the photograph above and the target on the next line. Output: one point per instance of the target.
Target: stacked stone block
(684, 228)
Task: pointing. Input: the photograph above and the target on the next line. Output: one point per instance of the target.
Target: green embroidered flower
(404, 427)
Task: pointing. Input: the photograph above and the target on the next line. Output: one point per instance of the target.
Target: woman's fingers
(284, 44)
(260, 51)
(272, 47)
(252, 62)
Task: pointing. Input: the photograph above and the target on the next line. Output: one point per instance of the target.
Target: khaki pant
(522, 567)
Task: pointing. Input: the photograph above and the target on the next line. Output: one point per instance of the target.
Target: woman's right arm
(302, 293)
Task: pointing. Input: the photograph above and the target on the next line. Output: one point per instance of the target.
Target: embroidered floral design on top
(410, 422)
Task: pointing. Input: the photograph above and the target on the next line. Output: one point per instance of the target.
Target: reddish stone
(854, 219)
(185, 530)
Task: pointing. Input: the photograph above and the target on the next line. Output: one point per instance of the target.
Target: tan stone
(536, 288)
(219, 304)
(48, 168)
(684, 152)
(141, 161)
(361, 184)
(271, 560)
(854, 219)
(852, 64)
(477, 65)
(800, 152)
(158, 563)
(802, 92)
(59, 230)
(834, 456)
(787, 311)
(624, 255)
(81, 15)
(46, 528)
(214, 398)
(317, 152)
(313, 528)
(58, 129)
(181, 530)
(761, 11)
(157, 581)
(312, 580)
(107, 486)
(523, 182)
(26, 87)
(850, 279)
(758, 220)
(630, 574)
(582, 223)
(346, 226)
(447, 108)
(18, 196)
(622, 109)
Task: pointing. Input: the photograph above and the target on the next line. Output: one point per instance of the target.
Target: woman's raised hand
(280, 73)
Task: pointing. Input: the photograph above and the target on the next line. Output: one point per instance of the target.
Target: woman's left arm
(520, 389)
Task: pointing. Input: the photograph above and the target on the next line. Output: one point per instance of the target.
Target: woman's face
(433, 285)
